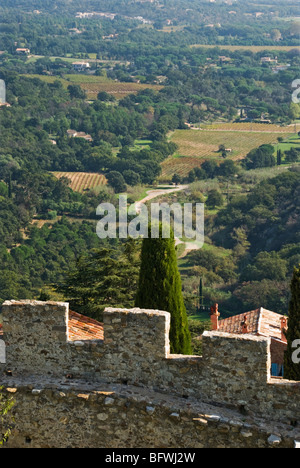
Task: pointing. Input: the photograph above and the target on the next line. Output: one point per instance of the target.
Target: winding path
(154, 193)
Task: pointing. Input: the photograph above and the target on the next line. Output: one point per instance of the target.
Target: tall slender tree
(160, 288)
(292, 369)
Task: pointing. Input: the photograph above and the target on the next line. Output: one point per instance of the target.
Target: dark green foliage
(116, 180)
(279, 158)
(292, 156)
(160, 288)
(104, 277)
(214, 199)
(6, 419)
(291, 369)
(261, 157)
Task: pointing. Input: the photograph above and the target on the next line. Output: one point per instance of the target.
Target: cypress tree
(279, 158)
(160, 288)
(291, 369)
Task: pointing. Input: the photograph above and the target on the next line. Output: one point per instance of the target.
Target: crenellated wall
(233, 372)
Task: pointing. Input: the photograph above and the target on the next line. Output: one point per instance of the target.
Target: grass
(289, 143)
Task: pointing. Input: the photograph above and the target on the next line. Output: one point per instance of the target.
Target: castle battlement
(233, 372)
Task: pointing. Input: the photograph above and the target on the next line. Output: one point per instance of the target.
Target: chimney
(244, 325)
(214, 316)
(284, 327)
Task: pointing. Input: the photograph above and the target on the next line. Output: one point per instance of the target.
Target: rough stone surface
(128, 391)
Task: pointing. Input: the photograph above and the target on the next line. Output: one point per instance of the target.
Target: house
(223, 58)
(269, 60)
(81, 66)
(279, 68)
(259, 322)
(85, 136)
(23, 51)
(74, 134)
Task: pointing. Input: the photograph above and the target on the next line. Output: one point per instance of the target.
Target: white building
(81, 66)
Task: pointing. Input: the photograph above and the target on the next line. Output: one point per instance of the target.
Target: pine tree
(160, 288)
(291, 369)
(102, 278)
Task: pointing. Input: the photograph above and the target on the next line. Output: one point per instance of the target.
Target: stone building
(82, 384)
(258, 322)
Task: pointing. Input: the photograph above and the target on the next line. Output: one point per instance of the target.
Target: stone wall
(233, 373)
(62, 415)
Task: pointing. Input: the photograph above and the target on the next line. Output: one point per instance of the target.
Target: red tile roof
(259, 322)
(84, 328)
(81, 328)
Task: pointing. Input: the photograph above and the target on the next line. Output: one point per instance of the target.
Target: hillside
(200, 97)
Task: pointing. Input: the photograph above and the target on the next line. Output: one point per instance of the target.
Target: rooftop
(259, 322)
(84, 328)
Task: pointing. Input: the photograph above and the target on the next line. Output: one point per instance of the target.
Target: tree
(260, 157)
(6, 404)
(116, 181)
(176, 179)
(76, 92)
(276, 35)
(210, 168)
(292, 155)
(131, 177)
(104, 277)
(104, 96)
(214, 199)
(291, 369)
(227, 168)
(160, 288)
(279, 158)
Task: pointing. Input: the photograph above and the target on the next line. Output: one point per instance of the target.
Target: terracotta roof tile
(84, 328)
(260, 322)
(233, 324)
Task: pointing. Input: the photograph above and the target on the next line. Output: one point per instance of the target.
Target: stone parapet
(233, 372)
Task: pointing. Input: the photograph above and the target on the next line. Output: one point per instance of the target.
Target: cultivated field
(198, 145)
(92, 85)
(82, 181)
(253, 49)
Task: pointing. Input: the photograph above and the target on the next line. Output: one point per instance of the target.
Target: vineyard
(82, 181)
(92, 85)
(252, 126)
(198, 145)
(253, 48)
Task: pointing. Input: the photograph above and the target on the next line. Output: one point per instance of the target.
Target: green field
(289, 143)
